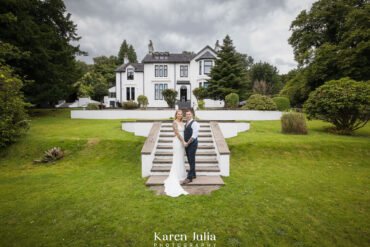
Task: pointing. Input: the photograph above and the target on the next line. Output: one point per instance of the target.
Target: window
(130, 74)
(183, 71)
(207, 66)
(200, 67)
(158, 88)
(160, 70)
(204, 84)
(112, 95)
(130, 93)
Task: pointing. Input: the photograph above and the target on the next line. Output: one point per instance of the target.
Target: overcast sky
(259, 28)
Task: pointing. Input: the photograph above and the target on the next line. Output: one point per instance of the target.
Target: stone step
(197, 168)
(197, 161)
(157, 180)
(199, 153)
(199, 147)
(162, 140)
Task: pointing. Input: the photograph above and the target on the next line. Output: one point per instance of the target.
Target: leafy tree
(345, 103)
(13, 117)
(265, 78)
(169, 96)
(228, 75)
(100, 89)
(46, 32)
(331, 41)
(106, 66)
(92, 85)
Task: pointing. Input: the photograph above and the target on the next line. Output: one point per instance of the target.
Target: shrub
(200, 93)
(51, 155)
(259, 102)
(130, 105)
(345, 103)
(143, 101)
(293, 123)
(232, 100)
(282, 103)
(13, 117)
(169, 96)
(92, 106)
(201, 104)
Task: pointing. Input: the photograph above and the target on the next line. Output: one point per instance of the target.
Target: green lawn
(284, 190)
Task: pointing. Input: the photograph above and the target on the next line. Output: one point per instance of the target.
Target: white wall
(137, 83)
(166, 114)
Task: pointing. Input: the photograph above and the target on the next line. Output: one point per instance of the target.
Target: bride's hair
(176, 113)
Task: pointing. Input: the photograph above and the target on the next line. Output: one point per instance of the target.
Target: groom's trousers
(190, 154)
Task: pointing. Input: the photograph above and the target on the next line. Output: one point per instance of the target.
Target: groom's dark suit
(191, 149)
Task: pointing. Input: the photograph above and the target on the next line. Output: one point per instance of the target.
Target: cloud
(258, 28)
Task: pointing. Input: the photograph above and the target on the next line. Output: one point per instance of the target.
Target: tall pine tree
(127, 50)
(228, 75)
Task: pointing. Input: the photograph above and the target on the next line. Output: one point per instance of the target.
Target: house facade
(161, 70)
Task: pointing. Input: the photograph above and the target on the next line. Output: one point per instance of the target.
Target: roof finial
(150, 47)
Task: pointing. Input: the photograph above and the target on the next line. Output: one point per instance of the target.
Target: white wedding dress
(172, 186)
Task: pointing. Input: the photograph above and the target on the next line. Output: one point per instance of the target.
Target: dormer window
(207, 66)
(161, 55)
(130, 74)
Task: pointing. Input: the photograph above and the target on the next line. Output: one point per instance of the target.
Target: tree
(128, 51)
(169, 96)
(131, 54)
(46, 32)
(265, 78)
(345, 103)
(13, 117)
(331, 41)
(106, 66)
(92, 85)
(228, 75)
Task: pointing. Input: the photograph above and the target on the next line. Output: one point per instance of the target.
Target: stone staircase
(207, 157)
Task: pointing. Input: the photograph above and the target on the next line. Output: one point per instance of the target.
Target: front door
(183, 94)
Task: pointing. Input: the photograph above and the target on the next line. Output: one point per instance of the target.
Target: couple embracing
(185, 141)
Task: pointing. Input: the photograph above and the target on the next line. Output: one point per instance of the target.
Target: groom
(191, 144)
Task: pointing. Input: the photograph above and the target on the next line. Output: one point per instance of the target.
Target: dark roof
(139, 67)
(166, 57)
(206, 55)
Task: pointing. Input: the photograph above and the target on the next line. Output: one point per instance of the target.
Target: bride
(172, 186)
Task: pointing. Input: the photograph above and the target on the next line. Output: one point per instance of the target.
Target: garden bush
(169, 96)
(260, 102)
(92, 106)
(13, 116)
(51, 155)
(200, 93)
(232, 100)
(130, 105)
(201, 104)
(282, 103)
(143, 101)
(293, 123)
(345, 103)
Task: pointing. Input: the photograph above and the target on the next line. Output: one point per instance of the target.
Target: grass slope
(284, 190)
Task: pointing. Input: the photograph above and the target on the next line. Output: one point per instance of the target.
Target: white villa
(160, 70)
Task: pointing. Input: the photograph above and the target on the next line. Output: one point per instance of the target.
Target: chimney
(217, 46)
(125, 59)
(150, 47)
